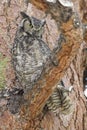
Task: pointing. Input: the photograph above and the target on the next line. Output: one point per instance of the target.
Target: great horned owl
(30, 54)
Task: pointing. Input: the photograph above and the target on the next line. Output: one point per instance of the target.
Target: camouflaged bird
(59, 101)
(30, 54)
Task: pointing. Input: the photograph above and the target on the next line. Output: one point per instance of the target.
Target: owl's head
(31, 25)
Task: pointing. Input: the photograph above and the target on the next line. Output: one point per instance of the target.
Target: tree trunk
(72, 63)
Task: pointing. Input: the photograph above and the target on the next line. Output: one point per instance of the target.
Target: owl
(59, 101)
(31, 56)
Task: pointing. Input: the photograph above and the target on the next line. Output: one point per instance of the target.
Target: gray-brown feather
(30, 54)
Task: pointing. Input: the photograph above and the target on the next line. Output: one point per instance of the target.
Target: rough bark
(70, 69)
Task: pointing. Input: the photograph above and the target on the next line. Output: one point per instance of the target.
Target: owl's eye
(27, 26)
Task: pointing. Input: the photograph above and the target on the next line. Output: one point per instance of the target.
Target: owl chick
(59, 101)
(30, 54)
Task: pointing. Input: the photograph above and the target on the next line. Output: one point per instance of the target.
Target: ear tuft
(24, 15)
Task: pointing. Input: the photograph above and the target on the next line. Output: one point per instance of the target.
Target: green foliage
(3, 63)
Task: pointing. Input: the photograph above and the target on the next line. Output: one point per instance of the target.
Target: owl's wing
(47, 52)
